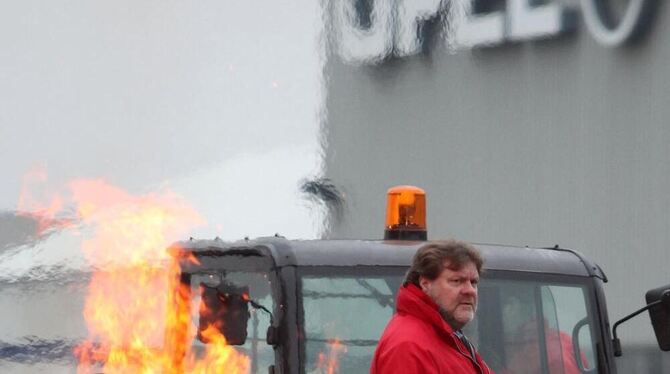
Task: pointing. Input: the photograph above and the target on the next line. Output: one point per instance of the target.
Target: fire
(328, 362)
(137, 312)
(219, 357)
(39, 202)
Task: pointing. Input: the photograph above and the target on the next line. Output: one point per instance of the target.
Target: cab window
(521, 326)
(225, 295)
(534, 327)
(343, 317)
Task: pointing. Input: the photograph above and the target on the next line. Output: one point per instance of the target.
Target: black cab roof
(349, 253)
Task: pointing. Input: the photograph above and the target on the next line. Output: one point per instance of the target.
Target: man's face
(455, 292)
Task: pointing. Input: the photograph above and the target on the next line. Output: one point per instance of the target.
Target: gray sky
(206, 97)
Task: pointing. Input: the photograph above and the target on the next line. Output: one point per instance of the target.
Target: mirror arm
(261, 307)
(272, 336)
(615, 340)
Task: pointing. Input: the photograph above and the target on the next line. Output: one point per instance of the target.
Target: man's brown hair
(432, 258)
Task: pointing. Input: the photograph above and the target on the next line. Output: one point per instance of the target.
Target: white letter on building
(529, 22)
(411, 14)
(481, 29)
(630, 23)
(359, 45)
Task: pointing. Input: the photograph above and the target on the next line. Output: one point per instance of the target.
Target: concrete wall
(561, 141)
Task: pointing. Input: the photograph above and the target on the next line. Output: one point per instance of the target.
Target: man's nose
(469, 288)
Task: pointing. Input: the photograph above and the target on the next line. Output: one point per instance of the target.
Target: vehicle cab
(320, 306)
(329, 301)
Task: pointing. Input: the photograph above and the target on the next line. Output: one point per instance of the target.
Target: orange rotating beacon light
(405, 214)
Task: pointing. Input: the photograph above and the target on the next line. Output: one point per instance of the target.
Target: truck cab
(319, 306)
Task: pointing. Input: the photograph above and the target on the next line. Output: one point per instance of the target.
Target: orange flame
(328, 362)
(39, 202)
(142, 325)
(219, 357)
(137, 311)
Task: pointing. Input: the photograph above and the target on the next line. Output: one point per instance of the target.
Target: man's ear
(424, 283)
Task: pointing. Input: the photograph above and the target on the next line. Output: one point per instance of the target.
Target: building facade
(525, 124)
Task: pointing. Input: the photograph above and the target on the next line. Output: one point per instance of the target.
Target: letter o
(633, 20)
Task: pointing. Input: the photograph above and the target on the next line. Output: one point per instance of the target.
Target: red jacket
(418, 341)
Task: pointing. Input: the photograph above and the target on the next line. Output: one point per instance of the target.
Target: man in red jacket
(438, 298)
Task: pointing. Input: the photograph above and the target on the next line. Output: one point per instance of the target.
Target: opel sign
(372, 30)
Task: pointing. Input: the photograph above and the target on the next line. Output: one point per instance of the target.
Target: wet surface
(17, 229)
(41, 310)
(31, 350)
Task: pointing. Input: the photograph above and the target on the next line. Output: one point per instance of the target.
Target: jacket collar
(414, 302)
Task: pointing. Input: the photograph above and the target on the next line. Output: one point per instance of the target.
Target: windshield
(344, 315)
(521, 326)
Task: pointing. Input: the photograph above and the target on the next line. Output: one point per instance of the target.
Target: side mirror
(660, 315)
(226, 309)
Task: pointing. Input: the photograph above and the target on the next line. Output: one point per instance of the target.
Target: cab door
(536, 324)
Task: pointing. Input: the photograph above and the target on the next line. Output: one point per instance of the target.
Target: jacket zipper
(472, 357)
